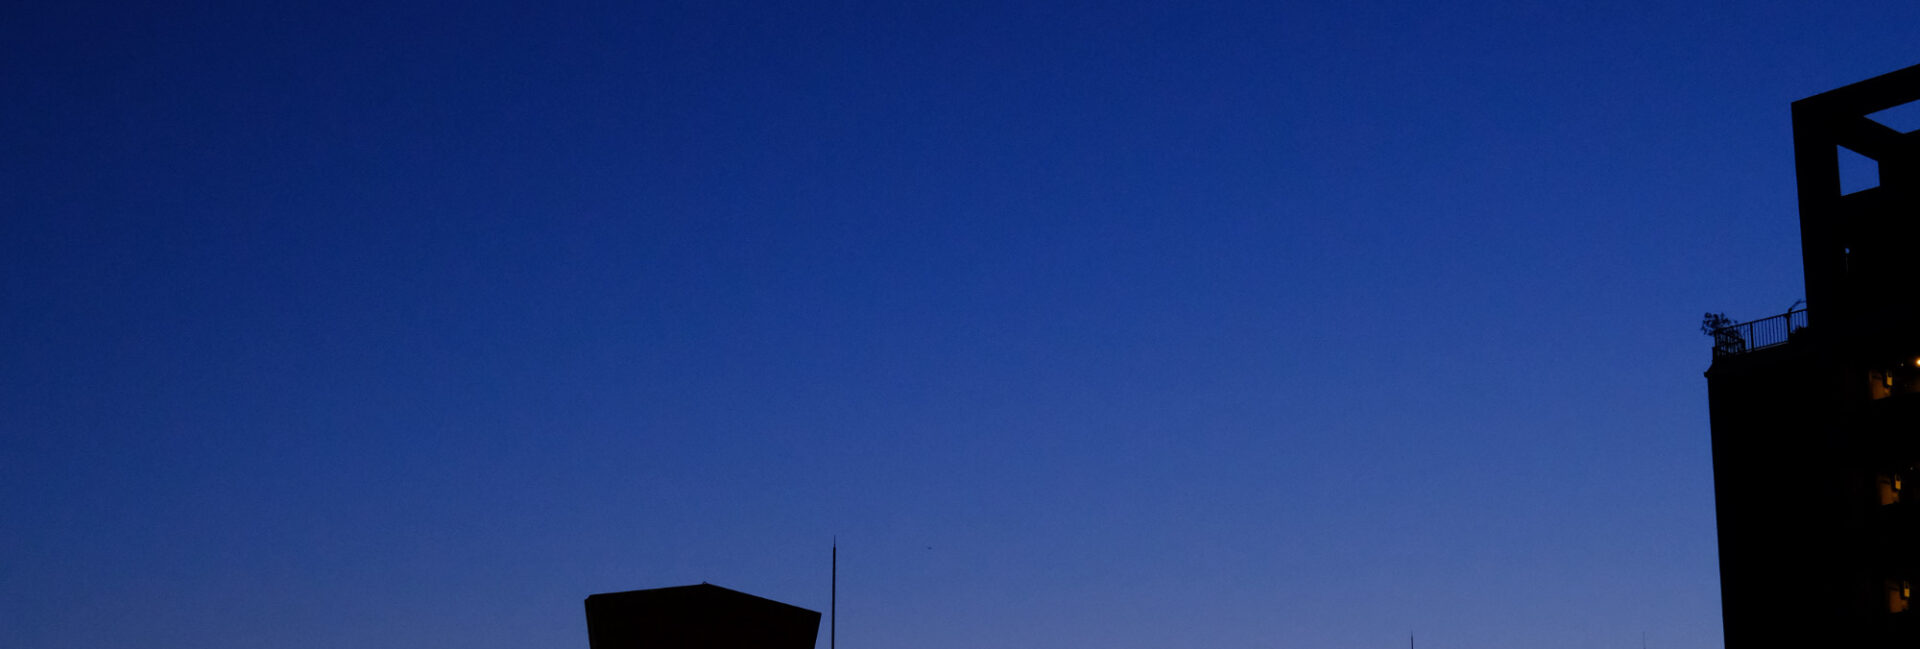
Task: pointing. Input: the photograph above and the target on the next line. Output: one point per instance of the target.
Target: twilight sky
(1298, 325)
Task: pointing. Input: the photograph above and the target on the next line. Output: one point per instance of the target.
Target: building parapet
(1736, 339)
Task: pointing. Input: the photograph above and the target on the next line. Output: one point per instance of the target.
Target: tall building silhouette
(702, 616)
(1816, 412)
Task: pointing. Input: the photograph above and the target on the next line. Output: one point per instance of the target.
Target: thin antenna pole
(833, 598)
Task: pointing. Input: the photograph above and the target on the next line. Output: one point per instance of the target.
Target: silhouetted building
(1816, 413)
(697, 617)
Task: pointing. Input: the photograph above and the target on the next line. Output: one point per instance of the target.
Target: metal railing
(1741, 338)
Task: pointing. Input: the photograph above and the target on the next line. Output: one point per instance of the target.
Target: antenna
(833, 596)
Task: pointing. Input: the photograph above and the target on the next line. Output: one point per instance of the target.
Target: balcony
(1736, 339)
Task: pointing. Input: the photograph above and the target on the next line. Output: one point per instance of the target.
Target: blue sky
(1130, 325)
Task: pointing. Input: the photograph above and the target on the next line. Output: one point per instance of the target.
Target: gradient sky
(1105, 324)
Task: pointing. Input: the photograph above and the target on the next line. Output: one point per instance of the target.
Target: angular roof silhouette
(701, 616)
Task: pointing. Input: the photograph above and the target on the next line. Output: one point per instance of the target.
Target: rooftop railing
(1733, 340)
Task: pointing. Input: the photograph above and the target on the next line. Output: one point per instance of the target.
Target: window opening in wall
(1857, 172)
(1904, 118)
(1894, 377)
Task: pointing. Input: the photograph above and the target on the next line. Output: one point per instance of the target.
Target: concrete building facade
(1816, 412)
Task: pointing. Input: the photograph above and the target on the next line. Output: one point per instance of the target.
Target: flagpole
(833, 598)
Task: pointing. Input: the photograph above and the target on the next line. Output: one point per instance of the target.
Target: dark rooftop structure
(703, 616)
(1816, 412)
